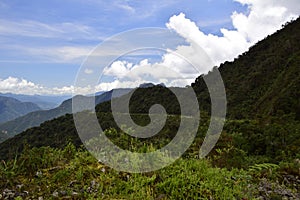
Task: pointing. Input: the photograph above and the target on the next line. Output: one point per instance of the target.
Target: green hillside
(263, 81)
(256, 157)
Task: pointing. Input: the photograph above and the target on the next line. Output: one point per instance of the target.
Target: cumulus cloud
(23, 86)
(263, 18)
(16, 85)
(219, 49)
(106, 86)
(131, 75)
(118, 69)
(88, 71)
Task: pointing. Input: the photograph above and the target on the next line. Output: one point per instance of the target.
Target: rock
(38, 174)
(40, 198)
(161, 196)
(74, 193)
(19, 186)
(8, 194)
(55, 194)
(63, 193)
(89, 190)
(72, 183)
(93, 183)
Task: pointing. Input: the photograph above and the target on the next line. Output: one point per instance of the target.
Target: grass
(56, 174)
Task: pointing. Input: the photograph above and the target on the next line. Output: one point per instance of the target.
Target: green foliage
(82, 174)
(260, 141)
(201, 181)
(263, 81)
(264, 170)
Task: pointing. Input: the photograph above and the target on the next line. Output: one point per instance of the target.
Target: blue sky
(43, 43)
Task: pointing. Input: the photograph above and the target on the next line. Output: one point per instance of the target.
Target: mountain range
(33, 119)
(262, 85)
(44, 102)
(11, 108)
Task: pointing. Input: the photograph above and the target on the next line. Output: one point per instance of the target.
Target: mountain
(57, 132)
(265, 80)
(147, 85)
(262, 88)
(11, 108)
(44, 102)
(33, 119)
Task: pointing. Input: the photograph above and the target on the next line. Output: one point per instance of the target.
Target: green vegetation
(264, 81)
(256, 157)
(73, 173)
(246, 163)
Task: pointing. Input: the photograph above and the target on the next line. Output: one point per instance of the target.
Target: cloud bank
(262, 19)
(23, 86)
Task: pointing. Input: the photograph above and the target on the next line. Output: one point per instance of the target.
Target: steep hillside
(11, 108)
(262, 88)
(263, 81)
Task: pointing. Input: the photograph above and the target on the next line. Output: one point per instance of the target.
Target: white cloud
(118, 69)
(125, 6)
(30, 28)
(69, 53)
(88, 71)
(106, 86)
(124, 69)
(23, 86)
(47, 49)
(15, 85)
(63, 54)
(172, 71)
(264, 18)
(135, 9)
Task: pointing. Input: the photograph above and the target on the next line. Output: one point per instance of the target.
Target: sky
(45, 44)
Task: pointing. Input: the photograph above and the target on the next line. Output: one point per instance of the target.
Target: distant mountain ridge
(148, 85)
(44, 102)
(33, 119)
(11, 108)
(262, 84)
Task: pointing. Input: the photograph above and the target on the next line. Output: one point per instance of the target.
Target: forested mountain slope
(262, 88)
(263, 81)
